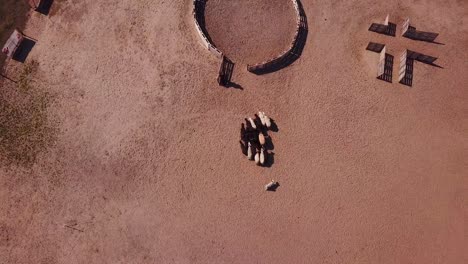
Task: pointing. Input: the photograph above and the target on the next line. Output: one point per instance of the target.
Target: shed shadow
(24, 49)
(44, 7)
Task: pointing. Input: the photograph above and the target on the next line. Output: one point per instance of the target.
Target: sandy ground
(146, 165)
(243, 29)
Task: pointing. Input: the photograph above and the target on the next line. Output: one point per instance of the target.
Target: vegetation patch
(25, 128)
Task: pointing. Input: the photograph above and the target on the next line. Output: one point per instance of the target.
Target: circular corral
(251, 31)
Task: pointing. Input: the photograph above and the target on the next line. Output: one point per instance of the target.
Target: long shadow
(270, 160)
(375, 47)
(408, 74)
(290, 56)
(235, 86)
(426, 59)
(389, 30)
(200, 7)
(44, 7)
(274, 187)
(414, 34)
(388, 69)
(24, 49)
(274, 127)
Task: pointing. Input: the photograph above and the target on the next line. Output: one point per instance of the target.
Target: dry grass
(25, 129)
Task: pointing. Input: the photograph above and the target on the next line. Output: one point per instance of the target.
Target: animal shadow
(274, 187)
(274, 127)
(270, 160)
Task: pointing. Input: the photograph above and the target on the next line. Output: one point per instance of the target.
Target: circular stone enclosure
(249, 31)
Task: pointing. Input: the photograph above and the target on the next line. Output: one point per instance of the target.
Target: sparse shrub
(25, 128)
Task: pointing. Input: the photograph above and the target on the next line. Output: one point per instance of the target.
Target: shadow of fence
(388, 69)
(375, 47)
(389, 30)
(200, 6)
(294, 51)
(199, 19)
(414, 34)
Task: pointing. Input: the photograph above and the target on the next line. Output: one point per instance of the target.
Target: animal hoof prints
(255, 142)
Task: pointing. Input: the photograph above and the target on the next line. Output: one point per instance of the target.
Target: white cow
(249, 151)
(252, 123)
(271, 186)
(262, 156)
(261, 139)
(257, 158)
(266, 121)
(262, 118)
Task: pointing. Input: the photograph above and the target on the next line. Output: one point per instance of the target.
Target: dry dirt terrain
(125, 149)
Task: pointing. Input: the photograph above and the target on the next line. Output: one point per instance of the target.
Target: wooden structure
(410, 32)
(405, 73)
(381, 65)
(199, 20)
(225, 72)
(385, 66)
(405, 27)
(34, 4)
(421, 57)
(386, 28)
(294, 50)
(12, 43)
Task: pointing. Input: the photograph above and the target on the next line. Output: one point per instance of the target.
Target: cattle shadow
(274, 127)
(269, 144)
(274, 187)
(23, 50)
(270, 160)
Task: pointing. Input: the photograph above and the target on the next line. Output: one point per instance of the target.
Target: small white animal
(261, 115)
(252, 123)
(249, 151)
(271, 186)
(262, 156)
(257, 158)
(267, 120)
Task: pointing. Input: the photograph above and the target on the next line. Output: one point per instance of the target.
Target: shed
(12, 43)
(35, 4)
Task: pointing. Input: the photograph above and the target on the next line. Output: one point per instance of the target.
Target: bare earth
(146, 166)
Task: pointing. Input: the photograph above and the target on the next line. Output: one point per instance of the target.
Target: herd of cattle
(254, 136)
(255, 141)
